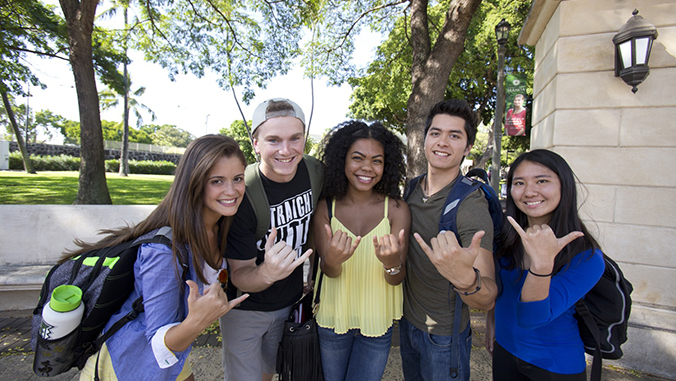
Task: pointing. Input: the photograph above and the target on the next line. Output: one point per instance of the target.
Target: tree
(383, 93)
(108, 99)
(12, 119)
(246, 43)
(432, 58)
(79, 15)
(124, 154)
(26, 27)
(171, 136)
(238, 131)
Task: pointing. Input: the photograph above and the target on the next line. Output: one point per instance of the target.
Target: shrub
(71, 163)
(45, 163)
(144, 167)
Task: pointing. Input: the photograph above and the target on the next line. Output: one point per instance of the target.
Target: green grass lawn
(61, 188)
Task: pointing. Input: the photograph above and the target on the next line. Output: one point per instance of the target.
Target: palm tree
(110, 99)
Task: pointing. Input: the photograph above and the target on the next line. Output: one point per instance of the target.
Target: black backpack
(603, 315)
(106, 277)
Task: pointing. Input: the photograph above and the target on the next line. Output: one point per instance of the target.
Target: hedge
(71, 163)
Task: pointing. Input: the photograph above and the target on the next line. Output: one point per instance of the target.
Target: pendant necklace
(425, 196)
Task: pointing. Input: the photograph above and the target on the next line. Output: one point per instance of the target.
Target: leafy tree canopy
(245, 43)
(238, 131)
(26, 27)
(383, 92)
(171, 136)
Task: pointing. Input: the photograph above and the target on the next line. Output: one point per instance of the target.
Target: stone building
(621, 145)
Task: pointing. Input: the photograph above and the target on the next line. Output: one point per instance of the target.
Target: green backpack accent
(259, 200)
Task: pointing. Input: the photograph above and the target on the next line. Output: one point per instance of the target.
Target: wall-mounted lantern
(632, 50)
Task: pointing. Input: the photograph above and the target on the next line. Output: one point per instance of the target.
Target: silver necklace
(425, 196)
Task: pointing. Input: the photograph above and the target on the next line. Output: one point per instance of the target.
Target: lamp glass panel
(642, 50)
(625, 53)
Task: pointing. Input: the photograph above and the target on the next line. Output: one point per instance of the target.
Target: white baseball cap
(273, 108)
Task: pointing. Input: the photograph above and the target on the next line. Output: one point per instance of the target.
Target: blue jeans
(352, 356)
(427, 357)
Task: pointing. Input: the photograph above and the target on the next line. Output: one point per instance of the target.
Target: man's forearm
(251, 278)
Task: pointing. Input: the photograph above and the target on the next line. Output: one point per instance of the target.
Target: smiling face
(364, 164)
(446, 143)
(536, 191)
(518, 101)
(224, 189)
(280, 142)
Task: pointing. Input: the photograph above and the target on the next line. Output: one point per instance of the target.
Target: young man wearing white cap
(269, 269)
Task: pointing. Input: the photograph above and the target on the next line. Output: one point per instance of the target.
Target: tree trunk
(430, 70)
(92, 187)
(19, 139)
(124, 152)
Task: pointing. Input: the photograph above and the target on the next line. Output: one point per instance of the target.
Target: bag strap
(588, 319)
(410, 186)
(163, 236)
(456, 336)
(259, 200)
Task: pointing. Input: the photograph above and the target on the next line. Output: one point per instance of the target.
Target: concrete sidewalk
(16, 358)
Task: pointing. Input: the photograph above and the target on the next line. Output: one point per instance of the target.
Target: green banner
(515, 104)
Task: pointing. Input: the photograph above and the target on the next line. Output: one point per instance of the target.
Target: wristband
(394, 270)
(477, 281)
(541, 275)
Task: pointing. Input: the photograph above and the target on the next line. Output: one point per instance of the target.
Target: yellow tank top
(360, 297)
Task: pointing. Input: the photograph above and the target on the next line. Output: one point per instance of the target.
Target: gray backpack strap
(258, 199)
(316, 171)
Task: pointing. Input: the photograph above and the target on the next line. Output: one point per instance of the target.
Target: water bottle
(63, 313)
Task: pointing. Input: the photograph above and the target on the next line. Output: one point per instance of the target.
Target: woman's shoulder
(592, 259)
(397, 207)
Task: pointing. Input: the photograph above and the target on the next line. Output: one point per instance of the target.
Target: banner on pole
(515, 104)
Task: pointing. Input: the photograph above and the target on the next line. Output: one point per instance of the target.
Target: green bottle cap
(66, 298)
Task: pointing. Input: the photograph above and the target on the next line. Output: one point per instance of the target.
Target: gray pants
(250, 341)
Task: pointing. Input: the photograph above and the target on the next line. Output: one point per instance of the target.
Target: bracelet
(541, 275)
(394, 270)
(478, 284)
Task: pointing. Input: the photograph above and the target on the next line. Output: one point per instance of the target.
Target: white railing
(142, 147)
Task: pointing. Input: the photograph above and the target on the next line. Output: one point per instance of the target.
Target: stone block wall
(109, 154)
(621, 146)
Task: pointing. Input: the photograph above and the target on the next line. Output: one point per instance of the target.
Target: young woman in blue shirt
(548, 262)
(207, 190)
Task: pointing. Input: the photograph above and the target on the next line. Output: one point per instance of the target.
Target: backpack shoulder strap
(410, 186)
(257, 198)
(316, 172)
(461, 189)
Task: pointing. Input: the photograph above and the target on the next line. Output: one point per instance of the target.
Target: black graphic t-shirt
(290, 212)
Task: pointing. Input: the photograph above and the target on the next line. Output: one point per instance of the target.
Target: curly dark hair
(337, 143)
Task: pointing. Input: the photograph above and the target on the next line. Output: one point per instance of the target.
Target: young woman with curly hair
(361, 228)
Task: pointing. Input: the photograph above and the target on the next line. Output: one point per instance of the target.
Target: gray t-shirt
(429, 300)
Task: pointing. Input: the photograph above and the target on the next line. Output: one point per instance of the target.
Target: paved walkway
(16, 357)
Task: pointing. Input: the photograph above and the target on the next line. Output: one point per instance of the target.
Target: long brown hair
(181, 208)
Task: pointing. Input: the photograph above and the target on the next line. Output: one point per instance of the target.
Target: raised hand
(453, 262)
(339, 247)
(388, 249)
(205, 309)
(280, 259)
(541, 245)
